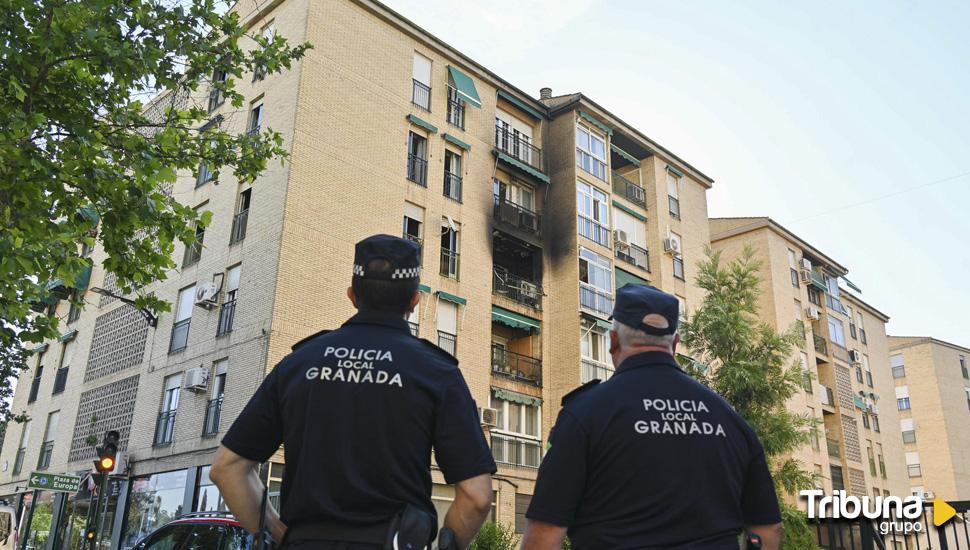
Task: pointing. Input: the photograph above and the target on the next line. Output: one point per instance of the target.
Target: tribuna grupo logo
(901, 515)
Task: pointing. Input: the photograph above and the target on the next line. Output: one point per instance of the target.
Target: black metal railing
(421, 95)
(450, 263)
(633, 255)
(164, 428)
(518, 147)
(414, 239)
(595, 300)
(18, 463)
(180, 336)
(227, 313)
(448, 342)
(629, 190)
(239, 222)
(253, 130)
(213, 412)
(44, 460)
(60, 380)
(517, 216)
(417, 170)
(193, 253)
(821, 345)
(673, 206)
(34, 388)
(452, 187)
(515, 288)
(414, 328)
(456, 109)
(594, 370)
(516, 450)
(594, 231)
(515, 365)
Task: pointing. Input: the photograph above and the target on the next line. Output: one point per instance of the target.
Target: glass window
(591, 152)
(836, 331)
(595, 270)
(449, 248)
(963, 367)
(170, 397)
(673, 194)
(256, 119)
(593, 346)
(186, 299)
(155, 500)
(207, 496)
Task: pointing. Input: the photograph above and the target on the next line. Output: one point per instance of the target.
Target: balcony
(517, 366)
(60, 380)
(18, 463)
(414, 328)
(516, 450)
(456, 109)
(227, 313)
(517, 216)
(448, 342)
(819, 280)
(827, 396)
(833, 445)
(452, 188)
(180, 336)
(633, 255)
(239, 222)
(515, 288)
(595, 300)
(421, 95)
(46, 450)
(821, 345)
(629, 190)
(594, 370)
(418, 170)
(450, 262)
(213, 413)
(518, 147)
(164, 428)
(594, 231)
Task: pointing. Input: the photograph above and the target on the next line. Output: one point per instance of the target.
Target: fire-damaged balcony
(517, 271)
(515, 216)
(515, 347)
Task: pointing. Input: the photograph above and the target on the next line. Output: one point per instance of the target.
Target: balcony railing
(46, 450)
(448, 342)
(239, 222)
(518, 147)
(517, 216)
(629, 190)
(213, 413)
(516, 450)
(60, 380)
(414, 239)
(633, 255)
(453, 186)
(594, 231)
(821, 346)
(515, 365)
(456, 109)
(414, 328)
(18, 463)
(593, 370)
(180, 336)
(595, 300)
(417, 170)
(450, 263)
(227, 314)
(164, 428)
(833, 445)
(515, 288)
(421, 95)
(819, 280)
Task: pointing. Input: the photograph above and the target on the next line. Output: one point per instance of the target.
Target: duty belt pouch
(411, 529)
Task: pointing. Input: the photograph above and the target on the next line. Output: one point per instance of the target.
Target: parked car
(200, 531)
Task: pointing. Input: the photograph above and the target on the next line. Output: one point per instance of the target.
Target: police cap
(648, 309)
(403, 258)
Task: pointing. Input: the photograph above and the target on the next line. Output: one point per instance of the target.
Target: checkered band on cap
(358, 270)
(408, 273)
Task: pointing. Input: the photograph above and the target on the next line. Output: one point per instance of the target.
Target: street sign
(53, 482)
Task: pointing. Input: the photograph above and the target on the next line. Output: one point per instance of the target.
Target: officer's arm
(540, 535)
(473, 502)
(239, 484)
(770, 535)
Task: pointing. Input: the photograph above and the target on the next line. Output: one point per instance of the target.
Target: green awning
(851, 285)
(859, 401)
(54, 283)
(90, 214)
(40, 349)
(589, 118)
(424, 288)
(513, 319)
(426, 125)
(675, 171)
(624, 278)
(597, 322)
(523, 166)
(465, 87)
(82, 279)
(67, 336)
(630, 211)
(625, 155)
(521, 105)
(516, 397)
(452, 298)
(452, 139)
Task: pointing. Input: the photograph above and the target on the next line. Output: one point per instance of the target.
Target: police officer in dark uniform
(358, 411)
(650, 458)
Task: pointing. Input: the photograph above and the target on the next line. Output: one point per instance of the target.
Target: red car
(200, 531)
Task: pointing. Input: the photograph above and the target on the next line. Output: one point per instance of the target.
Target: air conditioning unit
(813, 313)
(488, 417)
(197, 379)
(807, 264)
(672, 245)
(805, 275)
(207, 295)
(855, 357)
(621, 238)
(530, 221)
(928, 495)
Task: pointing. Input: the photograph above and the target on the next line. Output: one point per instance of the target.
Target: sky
(846, 122)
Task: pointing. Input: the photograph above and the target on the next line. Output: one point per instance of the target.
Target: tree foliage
(749, 363)
(80, 130)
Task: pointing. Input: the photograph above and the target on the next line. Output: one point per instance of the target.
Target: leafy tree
(749, 363)
(87, 155)
(494, 536)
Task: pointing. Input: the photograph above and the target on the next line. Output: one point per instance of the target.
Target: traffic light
(107, 452)
(90, 534)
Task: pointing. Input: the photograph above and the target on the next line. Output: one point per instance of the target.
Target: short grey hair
(630, 336)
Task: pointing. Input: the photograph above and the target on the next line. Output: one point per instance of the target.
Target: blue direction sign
(43, 481)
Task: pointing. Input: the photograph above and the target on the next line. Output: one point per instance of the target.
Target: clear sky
(837, 119)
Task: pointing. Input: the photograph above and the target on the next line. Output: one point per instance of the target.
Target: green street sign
(53, 482)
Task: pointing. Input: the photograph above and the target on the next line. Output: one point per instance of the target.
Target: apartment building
(530, 213)
(847, 382)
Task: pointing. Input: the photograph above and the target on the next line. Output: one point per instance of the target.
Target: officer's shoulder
(309, 339)
(437, 352)
(571, 396)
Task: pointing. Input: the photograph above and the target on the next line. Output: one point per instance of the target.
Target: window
(450, 254)
(60, 378)
(793, 268)
(806, 373)
(514, 192)
(899, 369)
(594, 213)
(673, 194)
(875, 423)
(216, 96)
(448, 326)
(913, 464)
(193, 252)
(596, 282)
(22, 450)
(968, 397)
(872, 459)
(590, 152)
(963, 368)
(267, 34)
(514, 137)
(241, 219)
(413, 221)
(213, 409)
(414, 320)
(865, 421)
(838, 483)
(183, 317)
(452, 188)
(858, 375)
(816, 444)
(595, 360)
(421, 81)
(819, 480)
(515, 439)
(456, 108)
(815, 295)
(38, 376)
(255, 119)
(47, 448)
(165, 428)
(634, 250)
(798, 312)
(909, 436)
(903, 404)
(836, 331)
(227, 311)
(418, 159)
(678, 259)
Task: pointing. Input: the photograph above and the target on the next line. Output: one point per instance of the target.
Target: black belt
(370, 534)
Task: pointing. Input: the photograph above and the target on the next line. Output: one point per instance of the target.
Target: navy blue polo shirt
(653, 459)
(358, 411)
